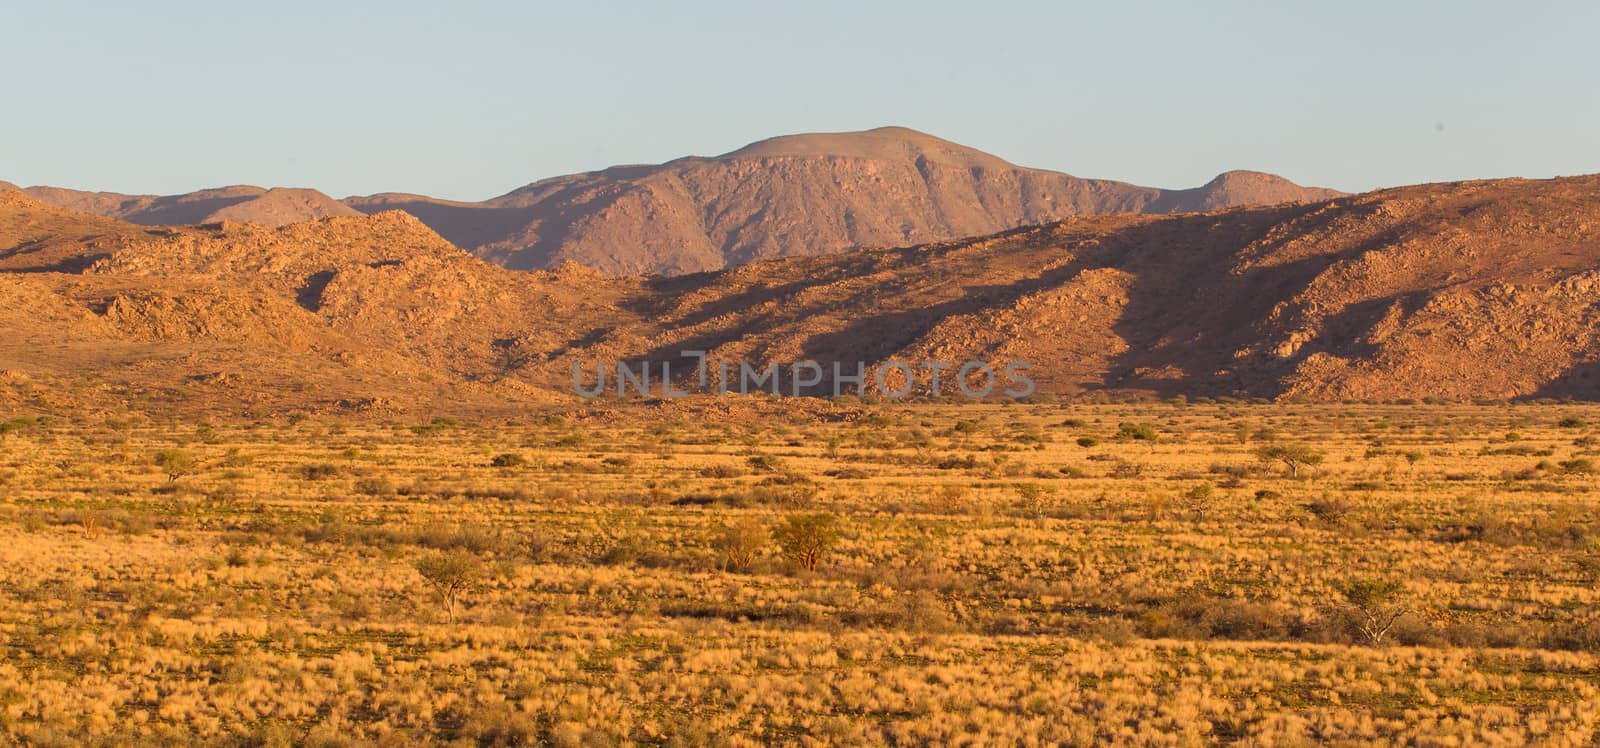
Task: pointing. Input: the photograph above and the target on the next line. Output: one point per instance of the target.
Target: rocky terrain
(792, 195)
(1462, 290)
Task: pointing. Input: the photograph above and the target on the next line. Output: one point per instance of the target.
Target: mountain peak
(1239, 187)
(892, 143)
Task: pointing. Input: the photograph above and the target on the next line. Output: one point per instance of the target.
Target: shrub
(15, 424)
(1087, 441)
(720, 471)
(965, 462)
(1125, 469)
(436, 426)
(1198, 616)
(1329, 508)
(766, 463)
(380, 486)
(470, 537)
(319, 471)
(1576, 466)
(1136, 432)
(508, 460)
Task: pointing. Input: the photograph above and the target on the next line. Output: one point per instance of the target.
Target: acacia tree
(805, 537)
(1374, 607)
(739, 543)
(176, 463)
(452, 575)
(1293, 456)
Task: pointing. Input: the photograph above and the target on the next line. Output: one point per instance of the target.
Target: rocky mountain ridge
(793, 195)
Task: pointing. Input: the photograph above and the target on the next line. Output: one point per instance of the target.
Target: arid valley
(905, 374)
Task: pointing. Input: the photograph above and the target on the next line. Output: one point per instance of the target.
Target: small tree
(1199, 498)
(805, 537)
(1293, 456)
(176, 463)
(1374, 607)
(1033, 496)
(452, 575)
(739, 543)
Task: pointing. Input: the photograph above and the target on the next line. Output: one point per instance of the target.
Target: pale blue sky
(468, 100)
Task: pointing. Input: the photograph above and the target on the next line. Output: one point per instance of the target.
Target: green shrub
(1136, 432)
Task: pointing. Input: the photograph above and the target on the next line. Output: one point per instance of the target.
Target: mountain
(793, 195)
(268, 207)
(345, 312)
(1473, 289)
(1459, 290)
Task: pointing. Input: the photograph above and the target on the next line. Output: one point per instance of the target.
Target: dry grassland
(1023, 574)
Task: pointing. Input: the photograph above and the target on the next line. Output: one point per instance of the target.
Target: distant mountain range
(1460, 290)
(792, 195)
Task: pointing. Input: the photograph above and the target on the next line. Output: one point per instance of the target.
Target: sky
(468, 100)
